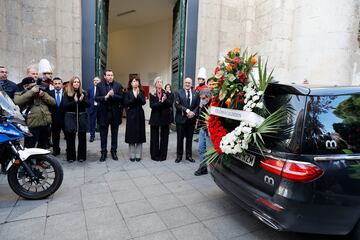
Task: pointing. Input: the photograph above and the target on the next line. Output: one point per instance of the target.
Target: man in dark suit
(92, 110)
(187, 105)
(57, 114)
(109, 95)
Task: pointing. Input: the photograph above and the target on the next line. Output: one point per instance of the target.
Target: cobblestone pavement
(128, 200)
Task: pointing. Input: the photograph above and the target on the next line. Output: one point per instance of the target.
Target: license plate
(246, 158)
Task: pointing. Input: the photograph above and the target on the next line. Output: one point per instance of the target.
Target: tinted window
(332, 125)
(288, 140)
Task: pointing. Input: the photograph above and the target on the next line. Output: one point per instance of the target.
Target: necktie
(188, 98)
(58, 100)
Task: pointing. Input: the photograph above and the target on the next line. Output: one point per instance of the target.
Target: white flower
(260, 93)
(255, 98)
(260, 105)
(252, 92)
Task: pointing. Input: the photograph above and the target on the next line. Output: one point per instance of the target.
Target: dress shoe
(114, 156)
(81, 160)
(103, 157)
(70, 160)
(137, 159)
(201, 171)
(92, 139)
(132, 159)
(178, 160)
(190, 159)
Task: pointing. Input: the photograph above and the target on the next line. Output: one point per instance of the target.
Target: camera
(42, 86)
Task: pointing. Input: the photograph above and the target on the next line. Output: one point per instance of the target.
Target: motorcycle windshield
(9, 107)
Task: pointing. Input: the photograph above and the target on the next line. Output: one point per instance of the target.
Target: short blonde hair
(156, 80)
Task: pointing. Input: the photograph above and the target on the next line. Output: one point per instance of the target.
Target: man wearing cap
(8, 86)
(57, 114)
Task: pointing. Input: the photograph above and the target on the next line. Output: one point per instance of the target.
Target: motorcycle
(32, 172)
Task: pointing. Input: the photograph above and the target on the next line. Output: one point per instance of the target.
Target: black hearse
(308, 181)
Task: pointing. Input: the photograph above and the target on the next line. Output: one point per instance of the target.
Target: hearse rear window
(332, 125)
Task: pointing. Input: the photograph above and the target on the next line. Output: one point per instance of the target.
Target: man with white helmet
(201, 78)
(46, 71)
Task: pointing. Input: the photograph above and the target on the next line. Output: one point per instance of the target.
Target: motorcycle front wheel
(49, 175)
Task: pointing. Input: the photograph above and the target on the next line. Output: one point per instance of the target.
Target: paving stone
(191, 197)
(4, 213)
(145, 224)
(127, 195)
(154, 190)
(146, 181)
(160, 170)
(66, 226)
(195, 231)
(98, 200)
(168, 177)
(94, 188)
(165, 202)
(139, 173)
(165, 235)
(116, 176)
(213, 208)
(28, 211)
(177, 217)
(126, 184)
(106, 223)
(135, 208)
(32, 229)
(180, 186)
(228, 227)
(212, 192)
(66, 202)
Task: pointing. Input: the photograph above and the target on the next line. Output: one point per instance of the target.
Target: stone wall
(31, 30)
(313, 39)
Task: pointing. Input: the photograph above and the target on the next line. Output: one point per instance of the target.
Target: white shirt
(186, 94)
(95, 103)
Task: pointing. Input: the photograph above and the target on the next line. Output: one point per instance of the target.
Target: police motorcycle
(32, 172)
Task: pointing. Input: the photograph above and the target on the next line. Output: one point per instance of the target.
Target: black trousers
(158, 150)
(70, 146)
(55, 134)
(184, 130)
(114, 136)
(40, 135)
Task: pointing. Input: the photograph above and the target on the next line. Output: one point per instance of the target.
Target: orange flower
(229, 68)
(253, 60)
(236, 50)
(228, 102)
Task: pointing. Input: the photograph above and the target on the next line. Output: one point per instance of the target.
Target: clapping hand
(190, 114)
(163, 98)
(76, 98)
(81, 97)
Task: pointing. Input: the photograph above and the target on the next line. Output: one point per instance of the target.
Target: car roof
(311, 90)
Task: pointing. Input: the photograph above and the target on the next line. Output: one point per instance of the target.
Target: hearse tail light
(293, 170)
(272, 165)
(301, 171)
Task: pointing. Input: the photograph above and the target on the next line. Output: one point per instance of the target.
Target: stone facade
(313, 39)
(31, 30)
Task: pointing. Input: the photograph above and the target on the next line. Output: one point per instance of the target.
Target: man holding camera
(34, 102)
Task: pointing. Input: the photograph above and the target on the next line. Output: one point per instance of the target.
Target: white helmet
(202, 73)
(45, 66)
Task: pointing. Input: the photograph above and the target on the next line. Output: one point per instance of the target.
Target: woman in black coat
(160, 119)
(75, 104)
(135, 123)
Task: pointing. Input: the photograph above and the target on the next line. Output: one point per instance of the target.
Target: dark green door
(102, 13)
(178, 37)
